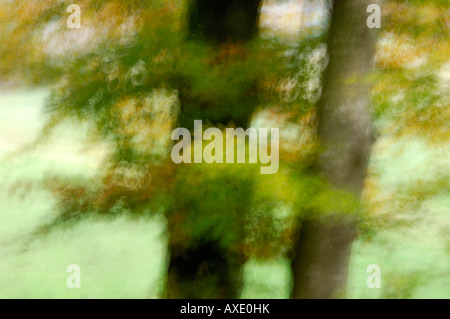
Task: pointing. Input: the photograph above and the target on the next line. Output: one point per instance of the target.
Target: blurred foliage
(125, 69)
(410, 97)
(410, 100)
(411, 90)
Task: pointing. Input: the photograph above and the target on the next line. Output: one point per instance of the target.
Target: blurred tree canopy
(138, 69)
(126, 71)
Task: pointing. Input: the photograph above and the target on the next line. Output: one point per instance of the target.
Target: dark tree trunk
(202, 272)
(224, 20)
(320, 266)
(205, 270)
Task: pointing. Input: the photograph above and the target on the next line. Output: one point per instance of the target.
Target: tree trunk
(320, 266)
(206, 270)
(224, 20)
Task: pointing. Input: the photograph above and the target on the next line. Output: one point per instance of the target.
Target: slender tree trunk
(206, 269)
(320, 266)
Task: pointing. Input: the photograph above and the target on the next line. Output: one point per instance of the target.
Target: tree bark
(205, 270)
(345, 130)
(224, 20)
